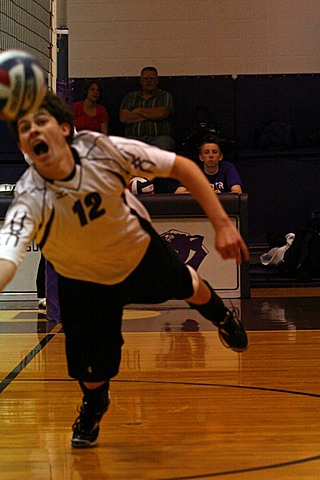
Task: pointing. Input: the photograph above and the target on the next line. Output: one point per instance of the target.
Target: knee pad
(194, 278)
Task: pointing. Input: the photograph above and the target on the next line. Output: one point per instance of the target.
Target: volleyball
(22, 84)
(140, 185)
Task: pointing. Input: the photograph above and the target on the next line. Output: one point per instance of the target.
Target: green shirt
(150, 128)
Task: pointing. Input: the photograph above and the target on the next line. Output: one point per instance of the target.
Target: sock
(214, 310)
(97, 398)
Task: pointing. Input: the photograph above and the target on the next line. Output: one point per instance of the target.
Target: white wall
(193, 37)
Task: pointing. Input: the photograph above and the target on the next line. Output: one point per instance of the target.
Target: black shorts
(91, 313)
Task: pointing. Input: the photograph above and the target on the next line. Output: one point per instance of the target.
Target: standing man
(74, 203)
(148, 112)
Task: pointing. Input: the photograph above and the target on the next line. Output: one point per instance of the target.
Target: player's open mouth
(40, 148)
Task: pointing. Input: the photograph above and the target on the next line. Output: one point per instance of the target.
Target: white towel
(276, 254)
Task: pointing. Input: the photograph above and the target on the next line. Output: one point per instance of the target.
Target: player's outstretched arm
(228, 242)
(7, 271)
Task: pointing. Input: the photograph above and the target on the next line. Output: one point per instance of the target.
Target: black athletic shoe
(86, 427)
(232, 332)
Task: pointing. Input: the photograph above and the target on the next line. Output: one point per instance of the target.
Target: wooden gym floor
(182, 408)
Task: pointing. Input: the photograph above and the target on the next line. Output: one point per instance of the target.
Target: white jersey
(87, 226)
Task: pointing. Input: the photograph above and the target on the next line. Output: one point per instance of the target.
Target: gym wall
(193, 37)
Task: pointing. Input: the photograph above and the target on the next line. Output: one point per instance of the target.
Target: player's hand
(229, 244)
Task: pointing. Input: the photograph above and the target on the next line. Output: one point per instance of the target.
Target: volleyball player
(74, 203)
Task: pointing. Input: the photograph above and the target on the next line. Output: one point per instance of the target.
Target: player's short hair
(58, 108)
(153, 69)
(210, 139)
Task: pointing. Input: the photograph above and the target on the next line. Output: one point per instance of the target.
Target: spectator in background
(88, 113)
(147, 113)
(222, 175)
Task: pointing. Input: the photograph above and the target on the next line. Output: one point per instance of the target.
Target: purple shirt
(225, 178)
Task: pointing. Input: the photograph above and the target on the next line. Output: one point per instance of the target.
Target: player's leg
(162, 275)
(41, 284)
(94, 405)
(92, 326)
(205, 300)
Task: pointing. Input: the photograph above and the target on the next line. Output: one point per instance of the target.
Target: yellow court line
(23, 320)
(5, 314)
(128, 314)
(135, 314)
(56, 329)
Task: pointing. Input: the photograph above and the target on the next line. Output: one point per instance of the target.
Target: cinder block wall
(193, 37)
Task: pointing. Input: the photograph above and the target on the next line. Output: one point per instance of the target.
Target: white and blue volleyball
(141, 185)
(22, 84)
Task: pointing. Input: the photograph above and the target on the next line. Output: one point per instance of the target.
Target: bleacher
(281, 182)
